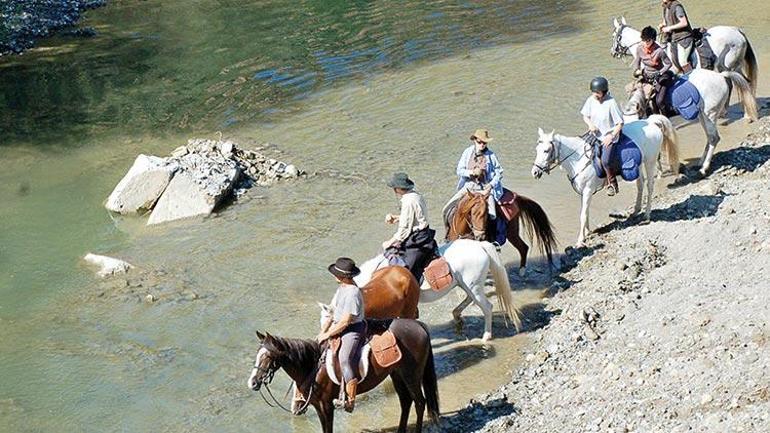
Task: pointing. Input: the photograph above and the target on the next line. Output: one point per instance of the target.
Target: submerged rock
(107, 265)
(142, 185)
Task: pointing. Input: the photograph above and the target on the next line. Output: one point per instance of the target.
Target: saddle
(624, 159)
(379, 352)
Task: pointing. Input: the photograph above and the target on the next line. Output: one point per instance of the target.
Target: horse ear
(540, 131)
(553, 131)
(260, 336)
(615, 23)
(623, 20)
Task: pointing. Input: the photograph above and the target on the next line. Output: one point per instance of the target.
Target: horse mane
(296, 351)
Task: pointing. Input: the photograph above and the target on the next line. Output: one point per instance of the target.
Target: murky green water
(351, 91)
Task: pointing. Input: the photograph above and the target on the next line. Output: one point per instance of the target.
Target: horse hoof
(522, 271)
(487, 336)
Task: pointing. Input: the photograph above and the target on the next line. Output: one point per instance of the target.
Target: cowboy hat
(481, 134)
(344, 267)
(401, 180)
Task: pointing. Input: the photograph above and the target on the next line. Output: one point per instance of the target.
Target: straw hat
(481, 134)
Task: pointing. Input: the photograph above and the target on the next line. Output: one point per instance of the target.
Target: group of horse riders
(479, 170)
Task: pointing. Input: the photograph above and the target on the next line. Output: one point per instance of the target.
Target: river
(348, 91)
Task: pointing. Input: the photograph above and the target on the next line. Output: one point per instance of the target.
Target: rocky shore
(22, 22)
(662, 327)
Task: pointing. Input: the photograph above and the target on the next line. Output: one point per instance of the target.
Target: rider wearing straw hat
(348, 322)
(414, 238)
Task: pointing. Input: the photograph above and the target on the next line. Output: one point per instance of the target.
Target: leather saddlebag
(438, 274)
(385, 349)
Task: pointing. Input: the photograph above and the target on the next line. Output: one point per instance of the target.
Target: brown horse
(392, 292)
(414, 376)
(470, 221)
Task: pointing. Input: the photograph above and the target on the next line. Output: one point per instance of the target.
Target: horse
(730, 44)
(714, 89)
(575, 156)
(391, 292)
(469, 262)
(470, 219)
(414, 376)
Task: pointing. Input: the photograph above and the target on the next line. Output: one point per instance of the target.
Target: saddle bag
(385, 349)
(508, 205)
(438, 274)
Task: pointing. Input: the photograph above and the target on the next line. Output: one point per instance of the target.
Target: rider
(414, 238)
(479, 170)
(602, 115)
(654, 67)
(678, 32)
(348, 322)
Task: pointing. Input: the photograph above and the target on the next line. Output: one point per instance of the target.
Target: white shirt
(606, 115)
(413, 216)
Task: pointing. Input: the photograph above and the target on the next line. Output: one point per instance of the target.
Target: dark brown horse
(470, 221)
(414, 376)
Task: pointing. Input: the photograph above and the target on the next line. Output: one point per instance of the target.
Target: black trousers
(418, 249)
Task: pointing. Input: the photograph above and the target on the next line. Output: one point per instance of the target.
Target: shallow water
(349, 92)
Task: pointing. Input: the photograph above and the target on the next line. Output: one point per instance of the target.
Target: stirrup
(612, 190)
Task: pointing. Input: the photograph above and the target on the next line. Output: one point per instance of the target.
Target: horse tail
(750, 66)
(502, 285)
(670, 140)
(430, 383)
(536, 223)
(744, 91)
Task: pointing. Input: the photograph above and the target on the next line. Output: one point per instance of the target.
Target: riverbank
(658, 327)
(23, 22)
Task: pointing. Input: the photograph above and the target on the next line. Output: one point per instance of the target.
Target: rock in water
(196, 189)
(142, 185)
(107, 265)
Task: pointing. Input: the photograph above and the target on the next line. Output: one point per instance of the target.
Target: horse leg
(519, 244)
(586, 201)
(486, 307)
(404, 398)
(712, 135)
(458, 311)
(650, 188)
(639, 191)
(326, 416)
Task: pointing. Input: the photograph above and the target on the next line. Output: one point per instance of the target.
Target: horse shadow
(742, 159)
(470, 418)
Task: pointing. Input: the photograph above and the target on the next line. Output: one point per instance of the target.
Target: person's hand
(487, 188)
(476, 172)
(661, 26)
(386, 245)
(607, 140)
(637, 73)
(391, 219)
(322, 336)
(665, 29)
(593, 129)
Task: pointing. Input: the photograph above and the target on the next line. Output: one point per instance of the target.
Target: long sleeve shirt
(413, 216)
(656, 61)
(493, 175)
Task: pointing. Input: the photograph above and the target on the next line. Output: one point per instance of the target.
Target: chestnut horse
(470, 221)
(414, 376)
(392, 292)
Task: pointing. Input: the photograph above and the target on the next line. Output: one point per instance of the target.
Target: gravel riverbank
(656, 328)
(22, 22)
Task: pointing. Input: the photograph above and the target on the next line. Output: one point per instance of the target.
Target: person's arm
(497, 171)
(586, 112)
(404, 223)
(665, 61)
(337, 328)
(617, 118)
(637, 64)
(682, 23)
(462, 165)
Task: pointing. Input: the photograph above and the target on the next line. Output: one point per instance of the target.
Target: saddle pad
(624, 159)
(507, 204)
(385, 349)
(684, 97)
(438, 274)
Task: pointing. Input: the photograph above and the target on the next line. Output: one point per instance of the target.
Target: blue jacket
(494, 172)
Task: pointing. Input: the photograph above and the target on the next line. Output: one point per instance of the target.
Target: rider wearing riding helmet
(678, 31)
(347, 322)
(654, 67)
(414, 238)
(601, 113)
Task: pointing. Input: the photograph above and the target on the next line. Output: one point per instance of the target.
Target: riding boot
(612, 183)
(351, 388)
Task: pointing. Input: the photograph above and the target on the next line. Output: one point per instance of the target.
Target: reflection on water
(180, 65)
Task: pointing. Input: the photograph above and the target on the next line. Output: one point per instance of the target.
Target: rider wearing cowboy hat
(348, 322)
(414, 238)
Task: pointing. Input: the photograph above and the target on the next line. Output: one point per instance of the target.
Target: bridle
(618, 50)
(553, 160)
(266, 377)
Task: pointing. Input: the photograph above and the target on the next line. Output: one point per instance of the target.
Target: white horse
(469, 261)
(729, 44)
(714, 91)
(575, 157)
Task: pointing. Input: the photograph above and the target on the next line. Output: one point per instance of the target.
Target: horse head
(545, 153)
(472, 214)
(637, 101)
(620, 44)
(327, 311)
(265, 364)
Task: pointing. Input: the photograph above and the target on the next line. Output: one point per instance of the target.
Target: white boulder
(107, 265)
(197, 188)
(142, 185)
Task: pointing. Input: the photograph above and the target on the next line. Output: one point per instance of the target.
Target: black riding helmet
(649, 34)
(600, 84)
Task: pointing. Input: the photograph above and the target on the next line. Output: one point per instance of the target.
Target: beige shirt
(413, 216)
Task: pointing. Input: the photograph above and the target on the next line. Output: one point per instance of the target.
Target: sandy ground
(661, 327)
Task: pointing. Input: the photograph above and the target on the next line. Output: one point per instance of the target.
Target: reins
(619, 50)
(556, 163)
(270, 373)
